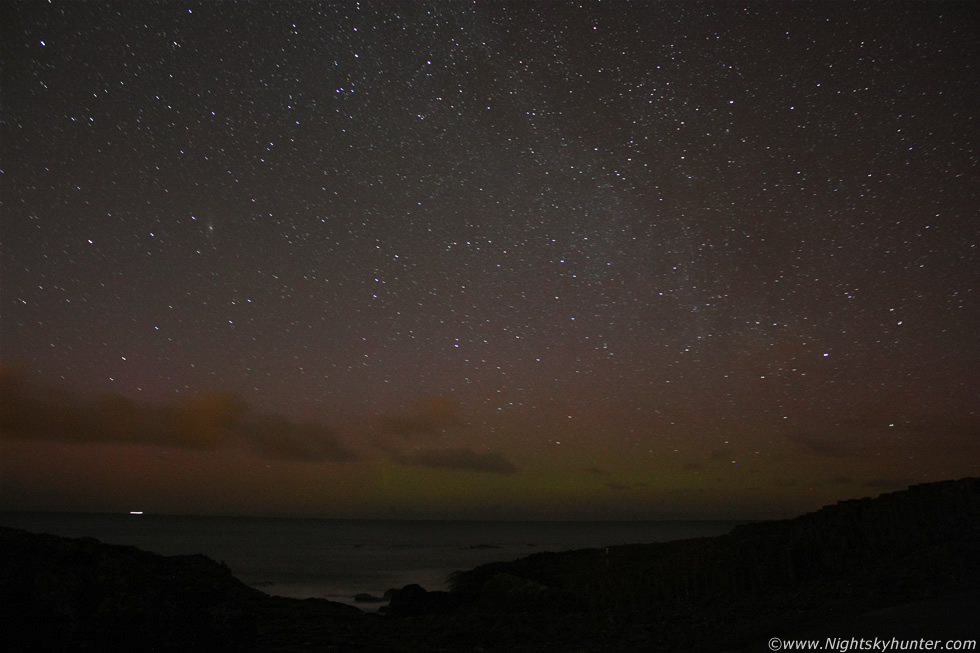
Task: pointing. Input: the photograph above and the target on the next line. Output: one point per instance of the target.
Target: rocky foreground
(906, 564)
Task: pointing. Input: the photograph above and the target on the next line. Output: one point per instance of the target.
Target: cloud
(851, 437)
(597, 471)
(205, 422)
(889, 483)
(461, 459)
(431, 416)
(685, 490)
(613, 485)
(964, 430)
(823, 445)
(430, 420)
(720, 456)
(275, 436)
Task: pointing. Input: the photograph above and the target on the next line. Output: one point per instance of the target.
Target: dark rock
(861, 558)
(368, 598)
(413, 600)
(509, 593)
(71, 594)
(852, 557)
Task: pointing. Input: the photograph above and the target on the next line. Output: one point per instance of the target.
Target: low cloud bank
(204, 422)
(460, 459)
(431, 416)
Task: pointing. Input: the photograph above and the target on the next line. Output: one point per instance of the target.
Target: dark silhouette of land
(905, 564)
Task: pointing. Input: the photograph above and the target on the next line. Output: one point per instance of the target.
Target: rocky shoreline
(911, 557)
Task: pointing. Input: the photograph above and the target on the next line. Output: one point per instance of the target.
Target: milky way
(488, 258)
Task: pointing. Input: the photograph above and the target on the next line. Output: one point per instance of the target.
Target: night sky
(487, 259)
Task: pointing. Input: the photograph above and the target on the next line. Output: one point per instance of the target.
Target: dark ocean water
(338, 558)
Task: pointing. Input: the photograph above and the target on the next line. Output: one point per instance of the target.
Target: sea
(337, 559)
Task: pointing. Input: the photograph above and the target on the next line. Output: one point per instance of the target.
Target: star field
(488, 258)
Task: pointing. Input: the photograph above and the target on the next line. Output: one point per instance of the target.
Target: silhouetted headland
(905, 564)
